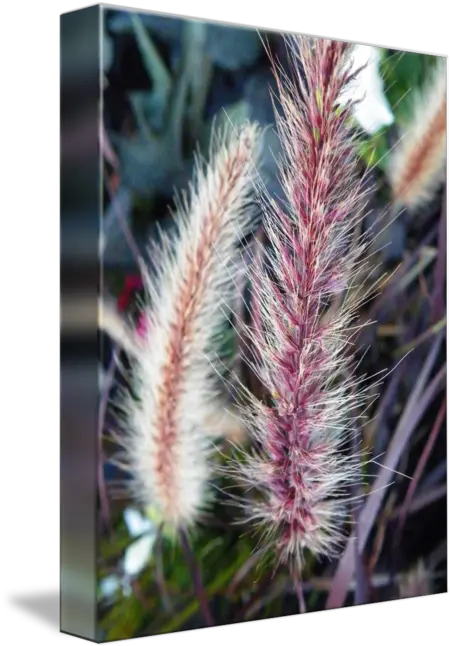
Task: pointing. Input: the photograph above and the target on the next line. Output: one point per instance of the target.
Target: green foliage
(219, 554)
(216, 585)
(226, 343)
(235, 114)
(115, 280)
(375, 150)
(124, 619)
(403, 73)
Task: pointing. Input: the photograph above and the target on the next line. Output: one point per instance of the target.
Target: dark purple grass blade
(385, 407)
(422, 500)
(103, 404)
(383, 302)
(418, 401)
(438, 473)
(438, 305)
(418, 472)
(196, 579)
(159, 573)
(415, 343)
(298, 587)
(116, 211)
(106, 147)
(242, 572)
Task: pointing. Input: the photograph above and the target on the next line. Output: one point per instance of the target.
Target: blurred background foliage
(166, 81)
(403, 73)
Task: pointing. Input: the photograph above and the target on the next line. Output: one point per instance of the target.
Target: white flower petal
(137, 555)
(137, 524)
(373, 110)
(109, 585)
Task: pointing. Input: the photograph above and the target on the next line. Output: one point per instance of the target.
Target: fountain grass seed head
(175, 393)
(300, 470)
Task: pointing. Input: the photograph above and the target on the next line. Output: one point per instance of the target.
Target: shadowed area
(45, 606)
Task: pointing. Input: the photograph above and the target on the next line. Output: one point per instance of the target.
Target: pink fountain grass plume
(175, 391)
(302, 465)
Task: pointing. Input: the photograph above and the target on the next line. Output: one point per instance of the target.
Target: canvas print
(272, 408)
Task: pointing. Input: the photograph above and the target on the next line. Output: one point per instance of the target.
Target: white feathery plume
(417, 166)
(176, 392)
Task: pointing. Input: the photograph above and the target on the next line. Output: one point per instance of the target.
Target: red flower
(133, 283)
